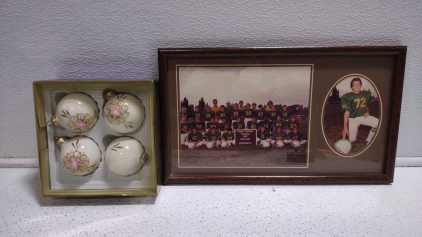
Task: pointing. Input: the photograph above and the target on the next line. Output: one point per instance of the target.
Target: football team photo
(244, 116)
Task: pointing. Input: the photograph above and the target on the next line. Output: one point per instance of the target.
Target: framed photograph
(280, 115)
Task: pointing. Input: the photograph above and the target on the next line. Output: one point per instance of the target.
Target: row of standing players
(233, 113)
(216, 128)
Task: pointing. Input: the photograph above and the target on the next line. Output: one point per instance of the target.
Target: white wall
(92, 39)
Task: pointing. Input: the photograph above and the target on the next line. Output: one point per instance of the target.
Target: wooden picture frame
(317, 85)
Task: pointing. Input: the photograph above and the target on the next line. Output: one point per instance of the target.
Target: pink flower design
(115, 111)
(74, 164)
(80, 124)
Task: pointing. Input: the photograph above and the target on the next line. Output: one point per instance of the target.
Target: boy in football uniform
(208, 115)
(238, 124)
(185, 114)
(249, 113)
(213, 138)
(199, 125)
(266, 124)
(254, 106)
(292, 123)
(228, 111)
(295, 138)
(222, 113)
(285, 114)
(269, 105)
(194, 139)
(224, 125)
(260, 113)
(236, 113)
(355, 105)
(241, 107)
(215, 108)
(277, 137)
(228, 139)
(273, 113)
(277, 123)
(253, 124)
(184, 130)
(198, 114)
(212, 125)
(263, 137)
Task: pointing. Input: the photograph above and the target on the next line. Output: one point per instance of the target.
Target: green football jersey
(238, 125)
(213, 136)
(293, 124)
(295, 136)
(252, 125)
(277, 124)
(195, 136)
(285, 115)
(263, 135)
(249, 113)
(186, 115)
(209, 115)
(228, 111)
(266, 124)
(277, 136)
(273, 115)
(221, 114)
(236, 113)
(198, 126)
(212, 125)
(228, 137)
(356, 103)
(184, 128)
(225, 126)
(198, 115)
(260, 114)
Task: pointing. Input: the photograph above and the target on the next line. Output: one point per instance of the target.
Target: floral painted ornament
(123, 113)
(76, 112)
(79, 155)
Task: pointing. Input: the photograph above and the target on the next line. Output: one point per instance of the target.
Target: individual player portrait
(351, 115)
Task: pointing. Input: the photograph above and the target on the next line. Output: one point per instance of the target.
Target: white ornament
(125, 156)
(124, 113)
(79, 155)
(76, 112)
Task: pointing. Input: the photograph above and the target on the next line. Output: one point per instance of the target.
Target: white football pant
(354, 124)
(192, 145)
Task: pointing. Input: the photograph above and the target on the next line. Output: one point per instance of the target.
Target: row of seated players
(270, 126)
(232, 114)
(265, 138)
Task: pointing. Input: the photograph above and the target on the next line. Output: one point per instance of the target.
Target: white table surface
(217, 210)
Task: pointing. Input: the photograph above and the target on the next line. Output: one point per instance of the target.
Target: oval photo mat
(332, 116)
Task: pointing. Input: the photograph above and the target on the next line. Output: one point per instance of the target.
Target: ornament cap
(109, 94)
(55, 121)
(144, 158)
(60, 141)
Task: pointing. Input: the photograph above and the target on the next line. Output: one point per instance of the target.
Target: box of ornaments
(97, 138)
